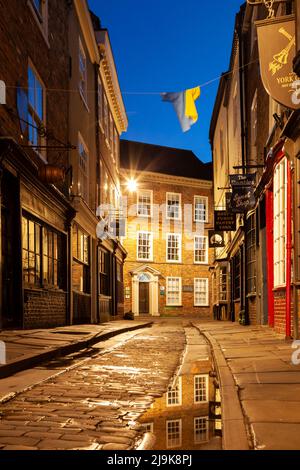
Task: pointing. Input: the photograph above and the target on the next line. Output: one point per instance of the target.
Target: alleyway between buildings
(96, 398)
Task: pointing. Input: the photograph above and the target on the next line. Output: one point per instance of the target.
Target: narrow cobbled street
(94, 400)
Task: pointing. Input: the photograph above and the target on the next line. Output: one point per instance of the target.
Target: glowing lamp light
(131, 185)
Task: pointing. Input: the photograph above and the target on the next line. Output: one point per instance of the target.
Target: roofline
(163, 147)
(154, 174)
(87, 29)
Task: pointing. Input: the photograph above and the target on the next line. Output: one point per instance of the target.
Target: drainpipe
(288, 251)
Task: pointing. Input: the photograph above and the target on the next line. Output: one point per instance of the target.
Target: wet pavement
(255, 365)
(188, 415)
(96, 402)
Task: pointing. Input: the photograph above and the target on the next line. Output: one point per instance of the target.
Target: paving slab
(28, 348)
(266, 391)
(276, 436)
(268, 383)
(272, 411)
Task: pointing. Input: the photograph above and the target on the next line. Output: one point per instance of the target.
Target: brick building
(59, 160)
(252, 133)
(35, 216)
(168, 216)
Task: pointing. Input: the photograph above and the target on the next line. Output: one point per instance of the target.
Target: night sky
(163, 46)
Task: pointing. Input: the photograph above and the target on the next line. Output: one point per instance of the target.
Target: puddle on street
(188, 416)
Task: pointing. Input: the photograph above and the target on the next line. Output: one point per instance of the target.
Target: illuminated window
(174, 247)
(200, 249)
(173, 291)
(144, 203)
(200, 430)
(173, 431)
(200, 388)
(174, 393)
(280, 188)
(144, 246)
(173, 201)
(201, 292)
(200, 209)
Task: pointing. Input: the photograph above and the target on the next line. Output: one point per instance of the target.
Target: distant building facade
(168, 216)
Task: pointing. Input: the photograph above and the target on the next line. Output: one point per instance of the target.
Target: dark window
(251, 252)
(236, 264)
(120, 284)
(104, 272)
(42, 254)
(81, 260)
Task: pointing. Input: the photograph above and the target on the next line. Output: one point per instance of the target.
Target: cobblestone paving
(96, 404)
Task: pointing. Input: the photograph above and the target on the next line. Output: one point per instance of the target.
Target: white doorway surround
(144, 274)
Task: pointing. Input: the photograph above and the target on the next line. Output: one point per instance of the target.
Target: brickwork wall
(44, 309)
(187, 269)
(21, 39)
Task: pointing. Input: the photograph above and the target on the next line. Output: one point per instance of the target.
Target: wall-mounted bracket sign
(224, 221)
(2, 92)
(277, 49)
(215, 239)
(242, 196)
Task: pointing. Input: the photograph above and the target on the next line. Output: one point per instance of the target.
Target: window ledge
(84, 100)
(39, 23)
(279, 288)
(251, 294)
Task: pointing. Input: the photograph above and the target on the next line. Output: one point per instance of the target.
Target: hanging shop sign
(277, 48)
(228, 201)
(242, 196)
(215, 239)
(224, 221)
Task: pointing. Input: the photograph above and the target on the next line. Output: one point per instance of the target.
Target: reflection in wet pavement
(188, 416)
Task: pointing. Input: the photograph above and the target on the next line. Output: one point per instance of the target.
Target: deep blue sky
(168, 45)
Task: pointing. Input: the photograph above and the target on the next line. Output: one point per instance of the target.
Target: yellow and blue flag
(184, 105)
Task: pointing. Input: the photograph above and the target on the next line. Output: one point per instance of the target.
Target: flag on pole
(184, 105)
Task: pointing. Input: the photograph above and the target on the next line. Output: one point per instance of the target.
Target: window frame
(179, 444)
(139, 191)
(81, 172)
(196, 441)
(206, 303)
(280, 223)
(179, 304)
(32, 113)
(55, 254)
(206, 249)
(179, 236)
(206, 209)
(151, 245)
(41, 18)
(170, 390)
(179, 207)
(82, 54)
(206, 389)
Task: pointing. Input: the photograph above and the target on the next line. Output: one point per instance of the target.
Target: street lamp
(131, 185)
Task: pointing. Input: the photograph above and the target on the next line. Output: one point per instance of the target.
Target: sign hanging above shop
(215, 239)
(225, 221)
(277, 48)
(242, 196)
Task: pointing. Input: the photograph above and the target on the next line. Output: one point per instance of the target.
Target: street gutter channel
(235, 426)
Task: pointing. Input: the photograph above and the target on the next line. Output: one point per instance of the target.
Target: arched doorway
(145, 291)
